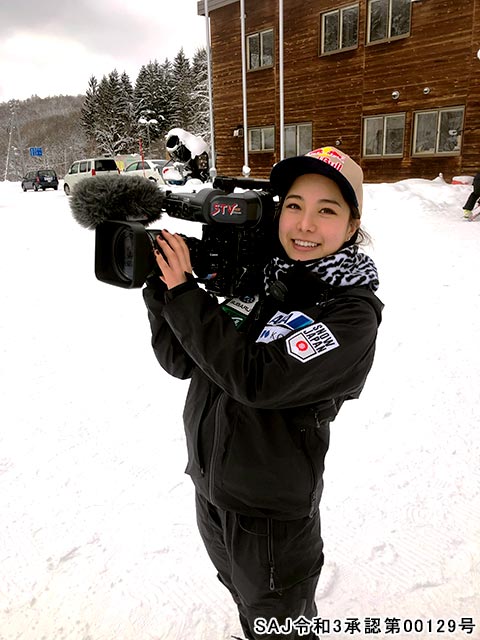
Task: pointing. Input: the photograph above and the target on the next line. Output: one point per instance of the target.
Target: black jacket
(257, 414)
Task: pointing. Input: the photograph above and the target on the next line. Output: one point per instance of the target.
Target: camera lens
(123, 253)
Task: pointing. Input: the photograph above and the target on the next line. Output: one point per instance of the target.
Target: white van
(88, 168)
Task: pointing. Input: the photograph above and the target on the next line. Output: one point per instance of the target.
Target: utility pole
(10, 131)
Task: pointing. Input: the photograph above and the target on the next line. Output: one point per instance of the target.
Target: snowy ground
(97, 535)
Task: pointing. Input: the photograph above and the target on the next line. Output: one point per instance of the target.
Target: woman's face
(315, 220)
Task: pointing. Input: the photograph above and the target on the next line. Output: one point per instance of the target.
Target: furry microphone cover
(115, 197)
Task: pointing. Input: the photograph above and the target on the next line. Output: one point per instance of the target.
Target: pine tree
(151, 101)
(199, 97)
(167, 84)
(183, 83)
(89, 110)
(104, 129)
(129, 118)
(113, 130)
(172, 94)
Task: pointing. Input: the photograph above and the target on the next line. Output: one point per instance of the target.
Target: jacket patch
(311, 342)
(239, 308)
(281, 324)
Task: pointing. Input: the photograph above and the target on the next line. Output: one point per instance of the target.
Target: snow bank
(98, 529)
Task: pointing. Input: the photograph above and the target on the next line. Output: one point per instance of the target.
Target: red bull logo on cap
(330, 156)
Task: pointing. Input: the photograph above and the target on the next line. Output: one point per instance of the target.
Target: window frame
(385, 117)
(436, 152)
(263, 131)
(298, 126)
(260, 35)
(388, 37)
(340, 11)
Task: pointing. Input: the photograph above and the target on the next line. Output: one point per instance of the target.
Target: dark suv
(41, 179)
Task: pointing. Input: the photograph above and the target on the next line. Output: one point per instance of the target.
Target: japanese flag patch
(311, 342)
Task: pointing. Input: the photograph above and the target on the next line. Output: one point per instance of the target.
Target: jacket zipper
(313, 495)
(213, 457)
(201, 463)
(271, 561)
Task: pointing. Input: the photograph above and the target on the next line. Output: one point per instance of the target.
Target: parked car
(151, 169)
(88, 168)
(41, 179)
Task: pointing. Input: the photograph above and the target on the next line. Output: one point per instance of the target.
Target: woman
(263, 393)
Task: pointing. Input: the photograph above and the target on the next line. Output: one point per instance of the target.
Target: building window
(388, 19)
(383, 136)
(339, 30)
(438, 131)
(260, 49)
(298, 139)
(261, 139)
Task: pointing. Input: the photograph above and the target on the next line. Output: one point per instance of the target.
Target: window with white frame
(260, 49)
(339, 30)
(261, 139)
(388, 19)
(383, 135)
(438, 131)
(298, 139)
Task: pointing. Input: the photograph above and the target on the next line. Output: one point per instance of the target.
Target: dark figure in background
(472, 198)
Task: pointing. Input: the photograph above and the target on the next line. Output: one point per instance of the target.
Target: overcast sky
(52, 47)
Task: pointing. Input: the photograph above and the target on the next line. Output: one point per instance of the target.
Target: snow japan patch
(311, 342)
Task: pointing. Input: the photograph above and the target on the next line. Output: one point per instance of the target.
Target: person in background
(472, 198)
(264, 391)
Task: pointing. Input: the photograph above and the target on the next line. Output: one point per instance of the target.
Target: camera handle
(228, 184)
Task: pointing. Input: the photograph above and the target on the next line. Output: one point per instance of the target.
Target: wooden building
(394, 83)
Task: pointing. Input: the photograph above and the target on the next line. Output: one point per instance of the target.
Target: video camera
(236, 234)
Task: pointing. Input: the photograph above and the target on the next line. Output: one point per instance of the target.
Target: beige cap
(326, 161)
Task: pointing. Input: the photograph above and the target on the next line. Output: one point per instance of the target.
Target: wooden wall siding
(335, 91)
(227, 87)
(436, 55)
(471, 149)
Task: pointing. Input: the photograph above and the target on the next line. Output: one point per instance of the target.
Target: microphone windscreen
(115, 197)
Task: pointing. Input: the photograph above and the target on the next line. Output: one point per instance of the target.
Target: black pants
(472, 199)
(270, 567)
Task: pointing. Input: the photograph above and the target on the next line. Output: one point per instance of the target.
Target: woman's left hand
(173, 259)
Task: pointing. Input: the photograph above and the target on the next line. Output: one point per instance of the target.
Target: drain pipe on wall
(245, 169)
(213, 167)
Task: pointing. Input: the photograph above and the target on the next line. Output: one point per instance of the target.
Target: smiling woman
(315, 219)
(264, 389)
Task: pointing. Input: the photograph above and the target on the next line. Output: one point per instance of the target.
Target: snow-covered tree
(152, 99)
(113, 127)
(181, 101)
(166, 95)
(89, 110)
(129, 115)
(199, 97)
